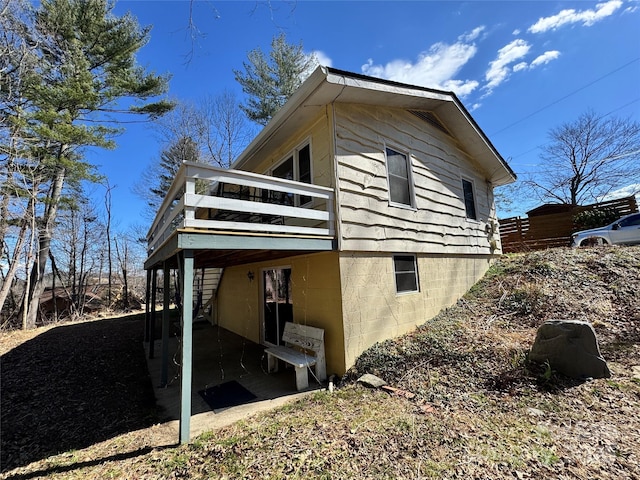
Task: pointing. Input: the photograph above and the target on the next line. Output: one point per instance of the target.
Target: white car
(624, 231)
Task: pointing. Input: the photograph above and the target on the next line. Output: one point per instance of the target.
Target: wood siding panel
(439, 223)
(317, 132)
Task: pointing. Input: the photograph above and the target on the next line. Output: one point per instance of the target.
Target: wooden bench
(303, 348)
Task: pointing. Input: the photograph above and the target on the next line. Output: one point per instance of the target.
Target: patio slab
(221, 356)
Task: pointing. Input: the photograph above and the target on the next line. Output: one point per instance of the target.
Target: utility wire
(511, 159)
(565, 97)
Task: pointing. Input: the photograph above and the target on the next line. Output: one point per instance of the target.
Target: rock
(534, 412)
(635, 372)
(372, 381)
(571, 348)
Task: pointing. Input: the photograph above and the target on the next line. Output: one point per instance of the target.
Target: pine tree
(70, 99)
(184, 150)
(270, 81)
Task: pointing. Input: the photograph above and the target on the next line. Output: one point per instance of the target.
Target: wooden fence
(552, 230)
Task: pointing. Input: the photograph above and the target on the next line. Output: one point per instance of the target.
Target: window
(399, 174)
(295, 167)
(469, 200)
(406, 271)
(630, 221)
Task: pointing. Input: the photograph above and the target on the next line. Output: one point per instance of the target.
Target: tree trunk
(13, 265)
(107, 203)
(37, 280)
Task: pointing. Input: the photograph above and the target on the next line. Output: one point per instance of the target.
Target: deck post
(165, 323)
(152, 323)
(147, 306)
(187, 346)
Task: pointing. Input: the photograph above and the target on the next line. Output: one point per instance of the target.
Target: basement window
(405, 268)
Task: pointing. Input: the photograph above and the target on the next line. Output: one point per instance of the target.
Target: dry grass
(480, 409)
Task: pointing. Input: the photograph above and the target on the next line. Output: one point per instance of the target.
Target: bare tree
(107, 207)
(76, 251)
(122, 254)
(214, 132)
(215, 124)
(227, 130)
(588, 159)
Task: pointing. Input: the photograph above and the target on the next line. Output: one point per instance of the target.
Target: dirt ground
(470, 405)
(70, 386)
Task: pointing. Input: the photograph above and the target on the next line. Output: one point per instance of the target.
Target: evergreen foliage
(184, 149)
(271, 80)
(69, 68)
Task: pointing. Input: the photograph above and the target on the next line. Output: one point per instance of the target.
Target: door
(627, 231)
(277, 307)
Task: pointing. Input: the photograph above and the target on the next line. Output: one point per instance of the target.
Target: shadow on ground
(73, 386)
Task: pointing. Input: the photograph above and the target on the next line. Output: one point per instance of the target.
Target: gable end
(431, 119)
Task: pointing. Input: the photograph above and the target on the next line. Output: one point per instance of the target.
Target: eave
(328, 86)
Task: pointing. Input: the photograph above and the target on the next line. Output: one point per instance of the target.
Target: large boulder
(571, 348)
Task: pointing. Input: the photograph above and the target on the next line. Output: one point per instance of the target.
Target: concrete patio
(220, 356)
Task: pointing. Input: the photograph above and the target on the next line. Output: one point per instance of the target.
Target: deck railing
(234, 200)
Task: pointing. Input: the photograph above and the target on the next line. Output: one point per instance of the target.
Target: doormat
(228, 394)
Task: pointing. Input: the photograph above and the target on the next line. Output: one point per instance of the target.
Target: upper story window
(296, 166)
(469, 199)
(399, 175)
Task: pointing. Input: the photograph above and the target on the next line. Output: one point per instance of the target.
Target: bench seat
(299, 340)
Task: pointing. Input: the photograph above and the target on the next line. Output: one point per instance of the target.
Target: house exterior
(363, 208)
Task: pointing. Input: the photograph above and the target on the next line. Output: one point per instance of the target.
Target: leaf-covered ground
(479, 409)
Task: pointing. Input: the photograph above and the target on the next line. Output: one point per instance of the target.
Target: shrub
(597, 217)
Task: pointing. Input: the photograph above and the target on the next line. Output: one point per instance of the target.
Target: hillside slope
(470, 405)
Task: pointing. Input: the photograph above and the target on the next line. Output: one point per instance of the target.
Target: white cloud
(545, 58)
(499, 68)
(633, 189)
(472, 35)
(323, 58)
(516, 32)
(520, 66)
(434, 68)
(570, 16)
(319, 58)
(462, 88)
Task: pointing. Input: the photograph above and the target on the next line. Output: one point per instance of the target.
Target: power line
(565, 97)
(512, 158)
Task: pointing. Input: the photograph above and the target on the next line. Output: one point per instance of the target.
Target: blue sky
(520, 67)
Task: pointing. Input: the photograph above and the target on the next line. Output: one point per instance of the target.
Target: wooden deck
(239, 211)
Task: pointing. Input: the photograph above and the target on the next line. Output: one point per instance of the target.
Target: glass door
(277, 308)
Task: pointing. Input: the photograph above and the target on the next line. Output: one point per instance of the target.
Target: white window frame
(409, 160)
(464, 199)
(294, 153)
(414, 271)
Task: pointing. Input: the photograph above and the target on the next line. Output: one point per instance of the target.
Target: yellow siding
(238, 305)
(318, 133)
(438, 224)
(316, 300)
(374, 312)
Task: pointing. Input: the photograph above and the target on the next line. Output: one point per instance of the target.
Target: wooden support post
(152, 326)
(147, 308)
(165, 324)
(187, 346)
